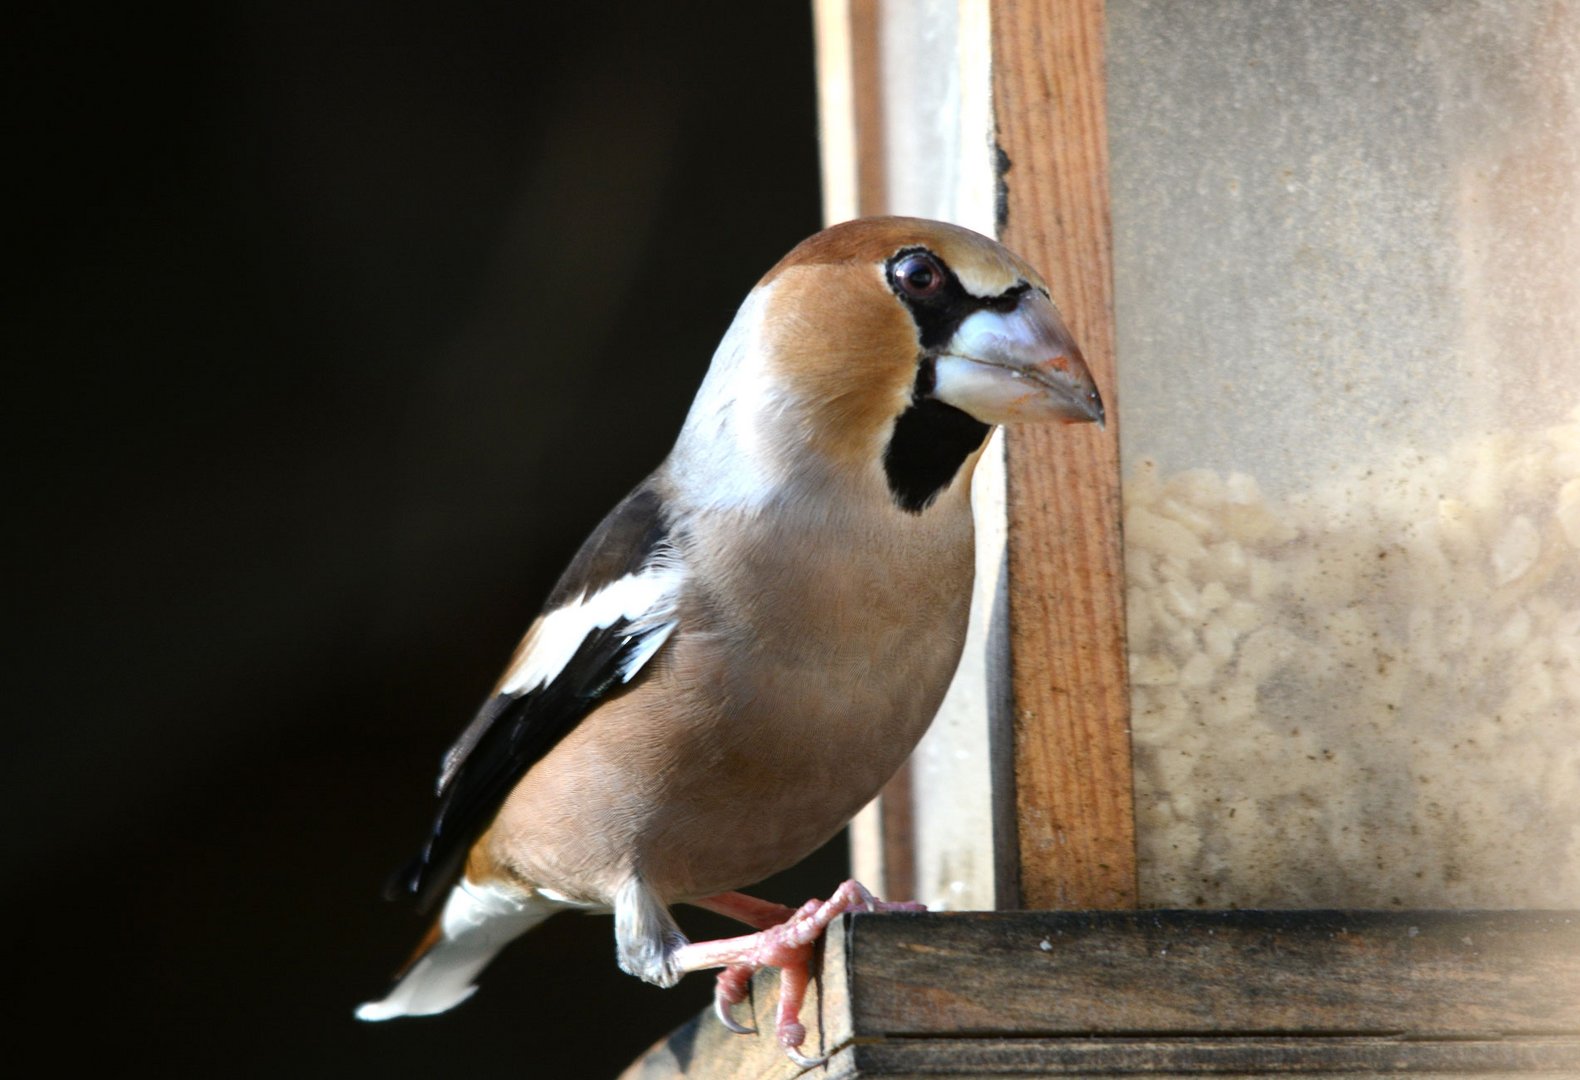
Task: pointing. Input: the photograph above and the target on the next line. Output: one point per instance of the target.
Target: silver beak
(1019, 366)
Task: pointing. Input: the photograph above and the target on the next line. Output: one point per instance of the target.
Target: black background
(336, 328)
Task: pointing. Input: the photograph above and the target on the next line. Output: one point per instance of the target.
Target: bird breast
(825, 652)
(794, 687)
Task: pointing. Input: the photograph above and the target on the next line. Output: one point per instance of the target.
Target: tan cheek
(846, 348)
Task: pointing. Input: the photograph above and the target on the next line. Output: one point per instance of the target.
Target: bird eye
(919, 276)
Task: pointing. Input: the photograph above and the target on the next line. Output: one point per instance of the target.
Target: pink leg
(758, 914)
(784, 941)
(735, 981)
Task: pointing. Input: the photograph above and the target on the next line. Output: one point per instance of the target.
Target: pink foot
(784, 941)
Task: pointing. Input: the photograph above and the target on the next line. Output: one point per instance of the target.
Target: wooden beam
(1170, 993)
(1187, 973)
(1225, 1059)
(1074, 795)
(850, 108)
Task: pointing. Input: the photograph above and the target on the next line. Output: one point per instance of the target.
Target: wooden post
(1074, 801)
(1046, 663)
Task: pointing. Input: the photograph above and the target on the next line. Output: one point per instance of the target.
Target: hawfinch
(754, 639)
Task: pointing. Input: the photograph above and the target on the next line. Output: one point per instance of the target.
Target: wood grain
(1074, 793)
(1224, 1059)
(1188, 973)
(1173, 993)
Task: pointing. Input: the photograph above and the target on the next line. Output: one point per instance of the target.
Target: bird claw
(786, 946)
(722, 1011)
(802, 1060)
(733, 986)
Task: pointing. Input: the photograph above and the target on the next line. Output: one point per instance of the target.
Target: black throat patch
(931, 441)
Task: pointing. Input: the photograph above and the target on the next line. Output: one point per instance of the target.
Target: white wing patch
(645, 600)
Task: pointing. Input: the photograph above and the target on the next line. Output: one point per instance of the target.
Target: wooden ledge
(1169, 993)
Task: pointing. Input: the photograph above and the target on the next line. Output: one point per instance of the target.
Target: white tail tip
(478, 921)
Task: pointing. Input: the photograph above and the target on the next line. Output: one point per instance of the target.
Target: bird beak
(1018, 366)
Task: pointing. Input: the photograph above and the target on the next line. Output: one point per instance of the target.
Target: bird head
(892, 341)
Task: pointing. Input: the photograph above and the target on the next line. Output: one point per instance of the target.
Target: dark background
(337, 327)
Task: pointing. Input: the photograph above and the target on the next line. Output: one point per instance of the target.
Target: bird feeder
(1265, 751)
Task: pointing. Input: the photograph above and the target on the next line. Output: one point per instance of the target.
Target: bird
(754, 639)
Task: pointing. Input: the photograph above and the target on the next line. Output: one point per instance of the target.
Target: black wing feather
(513, 731)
